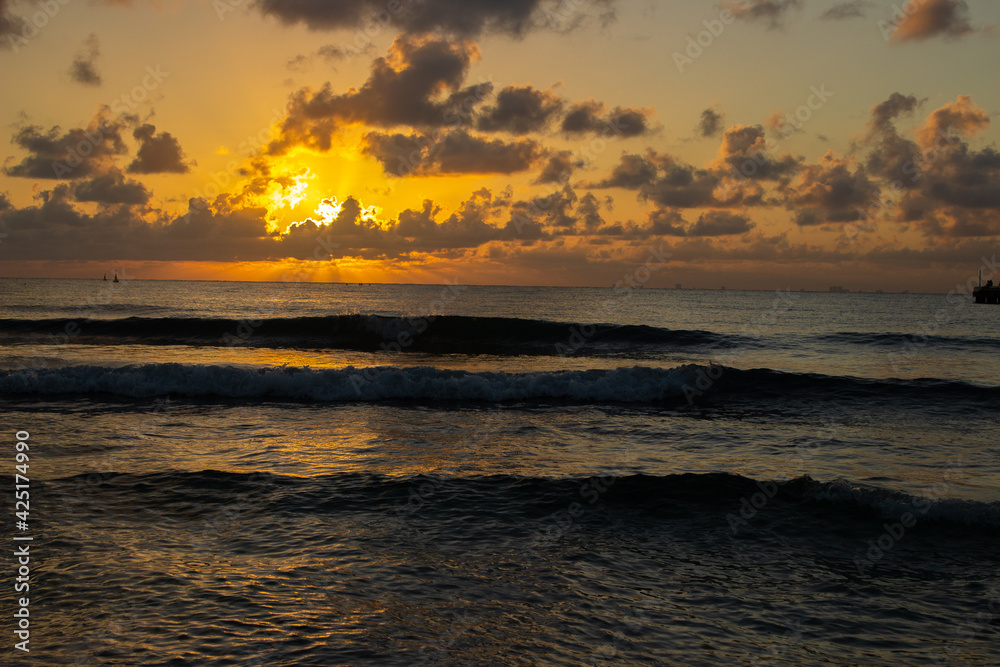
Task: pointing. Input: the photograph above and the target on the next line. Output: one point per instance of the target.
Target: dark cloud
(932, 18)
(456, 152)
(9, 25)
(84, 67)
(158, 153)
(744, 151)
(710, 123)
(891, 156)
(682, 186)
(457, 17)
(76, 153)
(846, 10)
(771, 12)
(418, 85)
(720, 223)
(520, 110)
(588, 211)
(884, 114)
(937, 182)
(559, 168)
(667, 222)
(592, 116)
(835, 190)
(111, 188)
(631, 173)
(665, 181)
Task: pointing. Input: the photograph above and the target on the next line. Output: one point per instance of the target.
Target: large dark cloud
(420, 84)
(84, 67)
(457, 17)
(932, 18)
(938, 181)
(75, 153)
(592, 116)
(417, 85)
(455, 152)
(520, 110)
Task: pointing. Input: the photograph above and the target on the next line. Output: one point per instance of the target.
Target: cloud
(8, 25)
(884, 114)
(632, 172)
(111, 188)
(846, 10)
(960, 117)
(463, 18)
(710, 123)
(418, 84)
(772, 12)
(835, 190)
(520, 110)
(559, 168)
(84, 67)
(660, 178)
(744, 150)
(593, 117)
(720, 223)
(932, 18)
(158, 153)
(938, 182)
(455, 152)
(76, 153)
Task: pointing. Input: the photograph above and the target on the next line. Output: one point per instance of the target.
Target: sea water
(318, 474)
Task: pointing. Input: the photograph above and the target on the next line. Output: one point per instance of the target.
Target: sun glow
(281, 195)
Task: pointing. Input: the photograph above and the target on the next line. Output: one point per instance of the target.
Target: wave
(911, 341)
(636, 384)
(718, 494)
(442, 334)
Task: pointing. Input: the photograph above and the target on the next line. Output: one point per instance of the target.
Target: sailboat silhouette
(116, 277)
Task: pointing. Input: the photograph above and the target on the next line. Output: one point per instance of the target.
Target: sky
(757, 144)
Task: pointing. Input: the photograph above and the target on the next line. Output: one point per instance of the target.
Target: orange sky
(761, 143)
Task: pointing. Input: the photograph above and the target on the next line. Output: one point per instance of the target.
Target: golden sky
(761, 143)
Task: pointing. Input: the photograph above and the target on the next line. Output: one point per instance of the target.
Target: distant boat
(116, 278)
(105, 277)
(989, 293)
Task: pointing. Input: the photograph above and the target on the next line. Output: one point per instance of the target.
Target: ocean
(228, 473)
